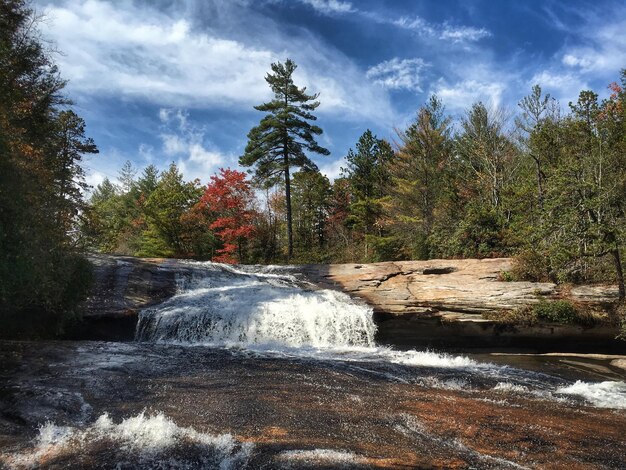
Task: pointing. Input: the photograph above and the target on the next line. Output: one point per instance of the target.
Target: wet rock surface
(436, 303)
(292, 412)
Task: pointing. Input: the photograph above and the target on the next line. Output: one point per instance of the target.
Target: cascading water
(260, 310)
(220, 305)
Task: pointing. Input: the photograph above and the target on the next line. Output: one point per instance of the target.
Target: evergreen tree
(539, 114)
(283, 136)
(367, 170)
(69, 177)
(164, 211)
(311, 203)
(42, 277)
(421, 174)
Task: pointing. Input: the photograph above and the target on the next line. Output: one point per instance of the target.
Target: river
(250, 368)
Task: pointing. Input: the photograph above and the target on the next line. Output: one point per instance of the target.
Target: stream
(251, 368)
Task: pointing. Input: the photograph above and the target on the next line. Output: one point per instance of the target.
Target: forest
(545, 184)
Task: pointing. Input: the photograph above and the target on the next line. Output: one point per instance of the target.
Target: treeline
(546, 186)
(42, 275)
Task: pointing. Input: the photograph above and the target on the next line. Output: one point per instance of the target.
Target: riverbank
(426, 304)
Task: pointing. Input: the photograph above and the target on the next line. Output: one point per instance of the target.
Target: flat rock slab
(465, 286)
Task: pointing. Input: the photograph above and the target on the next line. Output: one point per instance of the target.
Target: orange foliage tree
(229, 197)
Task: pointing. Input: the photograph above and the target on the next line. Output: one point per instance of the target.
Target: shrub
(530, 265)
(558, 311)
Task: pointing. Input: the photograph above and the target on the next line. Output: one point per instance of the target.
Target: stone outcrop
(424, 287)
(414, 301)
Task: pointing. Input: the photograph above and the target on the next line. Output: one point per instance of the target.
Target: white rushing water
(226, 307)
(266, 312)
(140, 441)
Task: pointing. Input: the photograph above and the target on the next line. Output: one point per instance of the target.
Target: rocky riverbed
(98, 405)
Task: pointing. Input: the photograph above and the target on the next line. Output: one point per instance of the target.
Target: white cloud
(186, 141)
(126, 50)
(462, 94)
(463, 33)
(332, 170)
(398, 74)
(417, 24)
(94, 178)
(574, 61)
(328, 7)
(173, 144)
(601, 46)
(564, 86)
(205, 158)
(133, 50)
(445, 31)
(146, 152)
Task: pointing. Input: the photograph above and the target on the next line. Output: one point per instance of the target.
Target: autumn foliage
(229, 198)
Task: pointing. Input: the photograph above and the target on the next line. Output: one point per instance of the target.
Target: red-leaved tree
(230, 199)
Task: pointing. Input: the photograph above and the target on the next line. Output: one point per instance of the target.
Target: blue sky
(162, 81)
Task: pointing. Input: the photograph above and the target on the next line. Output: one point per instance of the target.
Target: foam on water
(316, 457)
(146, 441)
(607, 394)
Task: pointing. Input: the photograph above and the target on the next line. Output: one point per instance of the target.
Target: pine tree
(367, 170)
(421, 177)
(283, 136)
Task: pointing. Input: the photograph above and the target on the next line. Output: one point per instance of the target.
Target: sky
(176, 81)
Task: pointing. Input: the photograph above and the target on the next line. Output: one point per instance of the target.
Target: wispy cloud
(416, 24)
(398, 74)
(187, 143)
(603, 49)
(460, 34)
(445, 31)
(462, 94)
(328, 7)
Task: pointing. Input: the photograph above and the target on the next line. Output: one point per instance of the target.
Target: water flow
(220, 305)
(263, 311)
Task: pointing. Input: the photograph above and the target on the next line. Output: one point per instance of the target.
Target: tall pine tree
(283, 136)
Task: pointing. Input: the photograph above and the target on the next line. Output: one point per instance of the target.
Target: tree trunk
(620, 273)
(288, 201)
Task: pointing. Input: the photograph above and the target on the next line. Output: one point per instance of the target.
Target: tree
(367, 170)
(42, 277)
(283, 136)
(69, 177)
(486, 149)
(586, 209)
(229, 198)
(421, 177)
(164, 211)
(311, 201)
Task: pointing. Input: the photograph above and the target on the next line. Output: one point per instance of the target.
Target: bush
(558, 311)
(530, 265)
(520, 316)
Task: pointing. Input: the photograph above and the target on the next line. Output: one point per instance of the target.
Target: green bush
(558, 311)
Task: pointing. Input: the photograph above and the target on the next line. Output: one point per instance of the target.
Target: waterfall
(221, 305)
